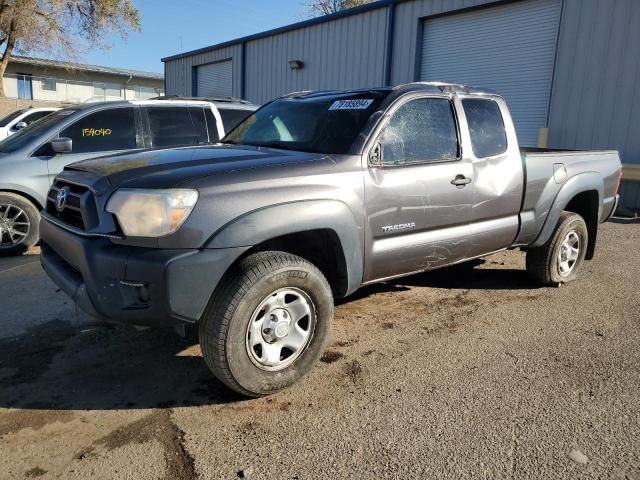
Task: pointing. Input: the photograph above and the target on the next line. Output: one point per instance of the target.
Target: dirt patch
(460, 300)
(17, 420)
(155, 426)
(331, 356)
(344, 343)
(387, 325)
(248, 428)
(34, 472)
(353, 370)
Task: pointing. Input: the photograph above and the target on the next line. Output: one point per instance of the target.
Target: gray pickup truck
(310, 198)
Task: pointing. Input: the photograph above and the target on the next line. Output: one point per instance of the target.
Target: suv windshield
(28, 134)
(323, 124)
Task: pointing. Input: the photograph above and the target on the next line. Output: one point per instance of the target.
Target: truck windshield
(323, 124)
(28, 134)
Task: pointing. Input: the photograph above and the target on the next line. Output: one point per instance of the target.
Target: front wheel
(559, 260)
(19, 223)
(268, 323)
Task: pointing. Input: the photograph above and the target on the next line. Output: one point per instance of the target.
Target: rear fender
(580, 183)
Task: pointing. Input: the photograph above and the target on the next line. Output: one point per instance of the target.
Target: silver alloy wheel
(280, 329)
(14, 225)
(569, 253)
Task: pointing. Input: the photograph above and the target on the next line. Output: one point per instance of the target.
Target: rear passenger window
(211, 126)
(486, 127)
(171, 127)
(231, 118)
(199, 123)
(422, 130)
(103, 131)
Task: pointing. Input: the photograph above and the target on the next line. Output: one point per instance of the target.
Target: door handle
(460, 181)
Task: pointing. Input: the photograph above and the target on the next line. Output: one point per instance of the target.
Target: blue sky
(170, 27)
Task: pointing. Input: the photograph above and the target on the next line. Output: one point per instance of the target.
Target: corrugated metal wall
(508, 48)
(348, 52)
(408, 36)
(178, 74)
(595, 101)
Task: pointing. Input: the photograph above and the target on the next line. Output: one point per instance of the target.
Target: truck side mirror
(62, 145)
(19, 126)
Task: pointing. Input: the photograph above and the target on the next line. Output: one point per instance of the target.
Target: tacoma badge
(400, 226)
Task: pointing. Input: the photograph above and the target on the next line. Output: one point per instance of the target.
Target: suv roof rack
(203, 99)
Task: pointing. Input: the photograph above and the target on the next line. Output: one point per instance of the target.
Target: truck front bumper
(134, 285)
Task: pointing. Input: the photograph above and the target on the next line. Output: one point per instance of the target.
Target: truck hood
(165, 168)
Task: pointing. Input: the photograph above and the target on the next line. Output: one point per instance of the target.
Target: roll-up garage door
(508, 48)
(215, 79)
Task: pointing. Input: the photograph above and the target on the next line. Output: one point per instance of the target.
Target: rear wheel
(559, 260)
(268, 324)
(19, 223)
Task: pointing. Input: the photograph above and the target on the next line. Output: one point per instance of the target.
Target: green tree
(327, 7)
(61, 28)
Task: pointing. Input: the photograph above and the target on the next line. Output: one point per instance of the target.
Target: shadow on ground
(53, 366)
(460, 277)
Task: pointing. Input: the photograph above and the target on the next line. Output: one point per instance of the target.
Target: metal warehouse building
(570, 69)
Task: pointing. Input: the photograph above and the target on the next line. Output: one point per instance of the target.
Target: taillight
(619, 181)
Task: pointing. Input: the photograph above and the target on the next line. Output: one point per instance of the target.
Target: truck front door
(418, 190)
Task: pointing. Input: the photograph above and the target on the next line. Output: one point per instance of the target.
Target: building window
(24, 86)
(107, 90)
(49, 84)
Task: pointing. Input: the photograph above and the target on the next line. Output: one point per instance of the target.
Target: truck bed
(547, 171)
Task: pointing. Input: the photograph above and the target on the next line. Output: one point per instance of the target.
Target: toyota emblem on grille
(61, 198)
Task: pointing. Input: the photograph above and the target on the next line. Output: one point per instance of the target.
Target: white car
(16, 121)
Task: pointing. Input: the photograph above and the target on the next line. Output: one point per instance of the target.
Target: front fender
(580, 183)
(267, 223)
(25, 191)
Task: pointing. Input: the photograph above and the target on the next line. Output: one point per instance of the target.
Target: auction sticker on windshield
(358, 104)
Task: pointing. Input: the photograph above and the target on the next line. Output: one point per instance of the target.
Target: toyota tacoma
(311, 197)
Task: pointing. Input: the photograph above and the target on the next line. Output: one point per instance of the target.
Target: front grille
(79, 209)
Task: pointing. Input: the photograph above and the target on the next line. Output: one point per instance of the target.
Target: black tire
(543, 262)
(225, 324)
(20, 245)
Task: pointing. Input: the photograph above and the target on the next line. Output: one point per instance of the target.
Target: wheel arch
(323, 232)
(583, 195)
(28, 196)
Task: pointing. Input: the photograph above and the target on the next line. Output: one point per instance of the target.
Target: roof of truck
(431, 87)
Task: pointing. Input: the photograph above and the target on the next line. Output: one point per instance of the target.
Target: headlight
(151, 213)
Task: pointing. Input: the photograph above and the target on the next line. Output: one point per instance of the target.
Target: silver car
(30, 159)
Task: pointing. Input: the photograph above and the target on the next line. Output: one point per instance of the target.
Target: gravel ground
(467, 372)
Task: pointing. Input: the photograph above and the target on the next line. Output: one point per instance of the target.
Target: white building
(36, 79)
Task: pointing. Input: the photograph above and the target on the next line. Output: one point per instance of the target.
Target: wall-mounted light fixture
(296, 64)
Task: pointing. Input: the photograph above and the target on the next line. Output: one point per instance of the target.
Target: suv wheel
(19, 223)
(558, 261)
(269, 323)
